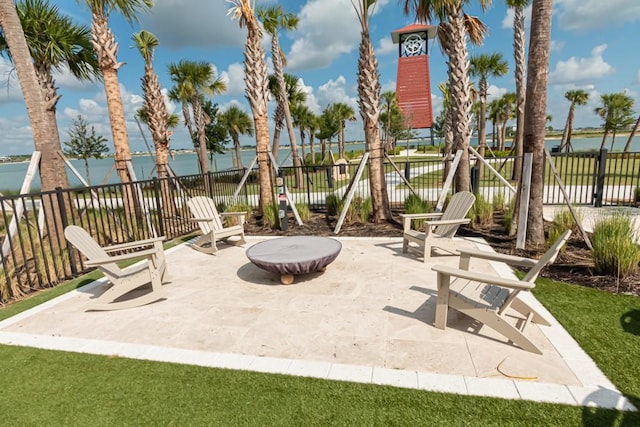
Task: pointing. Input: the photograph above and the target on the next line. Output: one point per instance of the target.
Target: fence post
(407, 171)
(159, 209)
(330, 176)
(602, 169)
(64, 219)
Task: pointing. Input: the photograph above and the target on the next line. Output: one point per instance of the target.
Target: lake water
(12, 174)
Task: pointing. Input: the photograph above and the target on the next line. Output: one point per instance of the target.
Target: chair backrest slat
(548, 258)
(88, 247)
(457, 208)
(205, 207)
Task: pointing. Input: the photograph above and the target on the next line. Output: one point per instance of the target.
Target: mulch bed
(574, 264)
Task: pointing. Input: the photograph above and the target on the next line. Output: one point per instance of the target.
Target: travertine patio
(368, 318)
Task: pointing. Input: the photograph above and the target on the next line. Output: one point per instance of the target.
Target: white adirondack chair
(439, 225)
(487, 298)
(204, 212)
(123, 281)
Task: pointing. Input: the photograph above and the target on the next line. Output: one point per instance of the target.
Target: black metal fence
(36, 255)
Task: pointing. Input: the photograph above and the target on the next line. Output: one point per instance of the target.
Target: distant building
(5, 159)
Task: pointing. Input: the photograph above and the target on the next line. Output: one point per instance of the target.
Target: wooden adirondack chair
(439, 225)
(486, 298)
(204, 212)
(152, 271)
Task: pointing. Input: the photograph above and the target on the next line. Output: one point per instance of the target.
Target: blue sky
(592, 49)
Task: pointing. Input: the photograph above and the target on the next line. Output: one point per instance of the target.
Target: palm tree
(342, 113)
(157, 116)
(617, 113)
(453, 38)
(328, 127)
(448, 128)
(536, 114)
(390, 102)
(369, 104)
(576, 97)
(154, 106)
(627, 146)
(294, 95)
(237, 123)
(55, 42)
(303, 119)
(274, 19)
(505, 110)
(194, 79)
(256, 80)
(520, 76)
(106, 49)
(484, 66)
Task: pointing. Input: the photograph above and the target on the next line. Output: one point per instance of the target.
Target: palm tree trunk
(236, 144)
(536, 113)
(519, 56)
(278, 118)
(369, 103)
(604, 138)
(341, 150)
(627, 146)
(120, 137)
(458, 70)
(312, 149)
(566, 131)
(262, 148)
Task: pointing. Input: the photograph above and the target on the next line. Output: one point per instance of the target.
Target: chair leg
(427, 252)
(405, 245)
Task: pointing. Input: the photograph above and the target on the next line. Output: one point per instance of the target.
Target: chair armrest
(482, 278)
(123, 257)
(494, 256)
(422, 215)
(449, 221)
(201, 219)
(136, 244)
(241, 216)
(233, 214)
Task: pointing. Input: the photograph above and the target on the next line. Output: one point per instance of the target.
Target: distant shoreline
(25, 158)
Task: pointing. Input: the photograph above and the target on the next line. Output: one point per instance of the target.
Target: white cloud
(583, 15)
(386, 46)
(582, 70)
(312, 101)
(66, 80)
(194, 24)
(556, 46)
(323, 34)
(494, 92)
(335, 91)
(234, 79)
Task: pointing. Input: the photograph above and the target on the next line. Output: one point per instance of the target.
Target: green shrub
(237, 207)
(303, 211)
(481, 212)
(270, 215)
(365, 209)
(508, 214)
(614, 251)
(499, 202)
(562, 221)
(333, 205)
(414, 204)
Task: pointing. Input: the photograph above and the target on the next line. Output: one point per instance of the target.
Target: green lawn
(56, 388)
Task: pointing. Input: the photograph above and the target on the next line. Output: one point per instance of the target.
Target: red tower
(412, 85)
